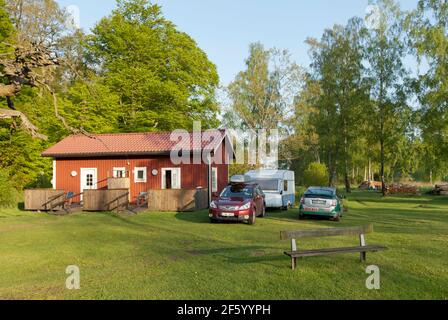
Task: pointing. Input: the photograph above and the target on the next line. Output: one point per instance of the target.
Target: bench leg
(293, 263)
(363, 256)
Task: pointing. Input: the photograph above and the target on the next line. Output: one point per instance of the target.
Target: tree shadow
(240, 254)
(200, 217)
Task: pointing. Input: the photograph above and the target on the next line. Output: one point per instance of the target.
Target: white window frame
(214, 179)
(164, 170)
(117, 169)
(145, 174)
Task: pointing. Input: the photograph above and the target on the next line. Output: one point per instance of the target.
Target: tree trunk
(348, 188)
(383, 183)
(26, 123)
(9, 90)
(330, 168)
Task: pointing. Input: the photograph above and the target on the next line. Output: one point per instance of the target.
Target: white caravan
(278, 185)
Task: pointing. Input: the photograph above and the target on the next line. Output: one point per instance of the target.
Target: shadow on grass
(200, 217)
(398, 199)
(244, 254)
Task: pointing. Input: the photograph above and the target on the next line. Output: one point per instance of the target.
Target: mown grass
(182, 256)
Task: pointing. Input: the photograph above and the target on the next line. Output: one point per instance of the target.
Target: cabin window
(140, 175)
(285, 185)
(89, 180)
(119, 172)
(214, 179)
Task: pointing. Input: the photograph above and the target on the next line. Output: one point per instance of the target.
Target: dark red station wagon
(239, 202)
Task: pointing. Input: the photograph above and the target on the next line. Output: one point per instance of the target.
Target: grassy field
(182, 256)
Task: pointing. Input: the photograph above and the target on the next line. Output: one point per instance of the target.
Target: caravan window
(268, 185)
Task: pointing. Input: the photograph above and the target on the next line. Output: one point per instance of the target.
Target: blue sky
(224, 28)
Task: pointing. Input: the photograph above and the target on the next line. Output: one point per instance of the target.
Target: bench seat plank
(328, 251)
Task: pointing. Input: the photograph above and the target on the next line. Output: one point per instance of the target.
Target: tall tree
(428, 33)
(337, 66)
(33, 56)
(42, 22)
(385, 49)
(262, 96)
(164, 81)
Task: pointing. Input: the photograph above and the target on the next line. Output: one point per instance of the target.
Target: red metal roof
(129, 144)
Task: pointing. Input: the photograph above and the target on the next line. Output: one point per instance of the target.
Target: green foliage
(6, 31)
(6, 27)
(163, 80)
(136, 72)
(258, 95)
(92, 106)
(20, 155)
(9, 195)
(316, 175)
(337, 70)
(428, 32)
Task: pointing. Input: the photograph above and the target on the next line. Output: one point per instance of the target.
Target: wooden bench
(359, 231)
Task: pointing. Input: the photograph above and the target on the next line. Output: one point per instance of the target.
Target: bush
(42, 181)
(316, 175)
(9, 196)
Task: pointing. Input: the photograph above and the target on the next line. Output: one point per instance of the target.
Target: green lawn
(182, 256)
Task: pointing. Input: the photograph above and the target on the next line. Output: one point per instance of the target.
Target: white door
(89, 179)
(171, 178)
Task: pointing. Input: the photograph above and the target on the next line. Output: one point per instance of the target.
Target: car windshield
(268, 185)
(319, 193)
(238, 191)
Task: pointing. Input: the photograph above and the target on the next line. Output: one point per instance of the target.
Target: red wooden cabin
(86, 162)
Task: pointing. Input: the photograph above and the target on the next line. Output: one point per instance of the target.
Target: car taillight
(334, 203)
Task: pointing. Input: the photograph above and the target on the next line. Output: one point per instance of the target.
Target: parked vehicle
(321, 201)
(239, 202)
(278, 186)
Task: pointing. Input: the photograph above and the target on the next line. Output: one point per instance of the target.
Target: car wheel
(301, 216)
(252, 217)
(213, 220)
(337, 218)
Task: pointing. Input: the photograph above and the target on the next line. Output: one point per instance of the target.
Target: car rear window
(238, 191)
(319, 193)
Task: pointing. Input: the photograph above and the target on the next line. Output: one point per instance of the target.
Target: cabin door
(88, 179)
(171, 178)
